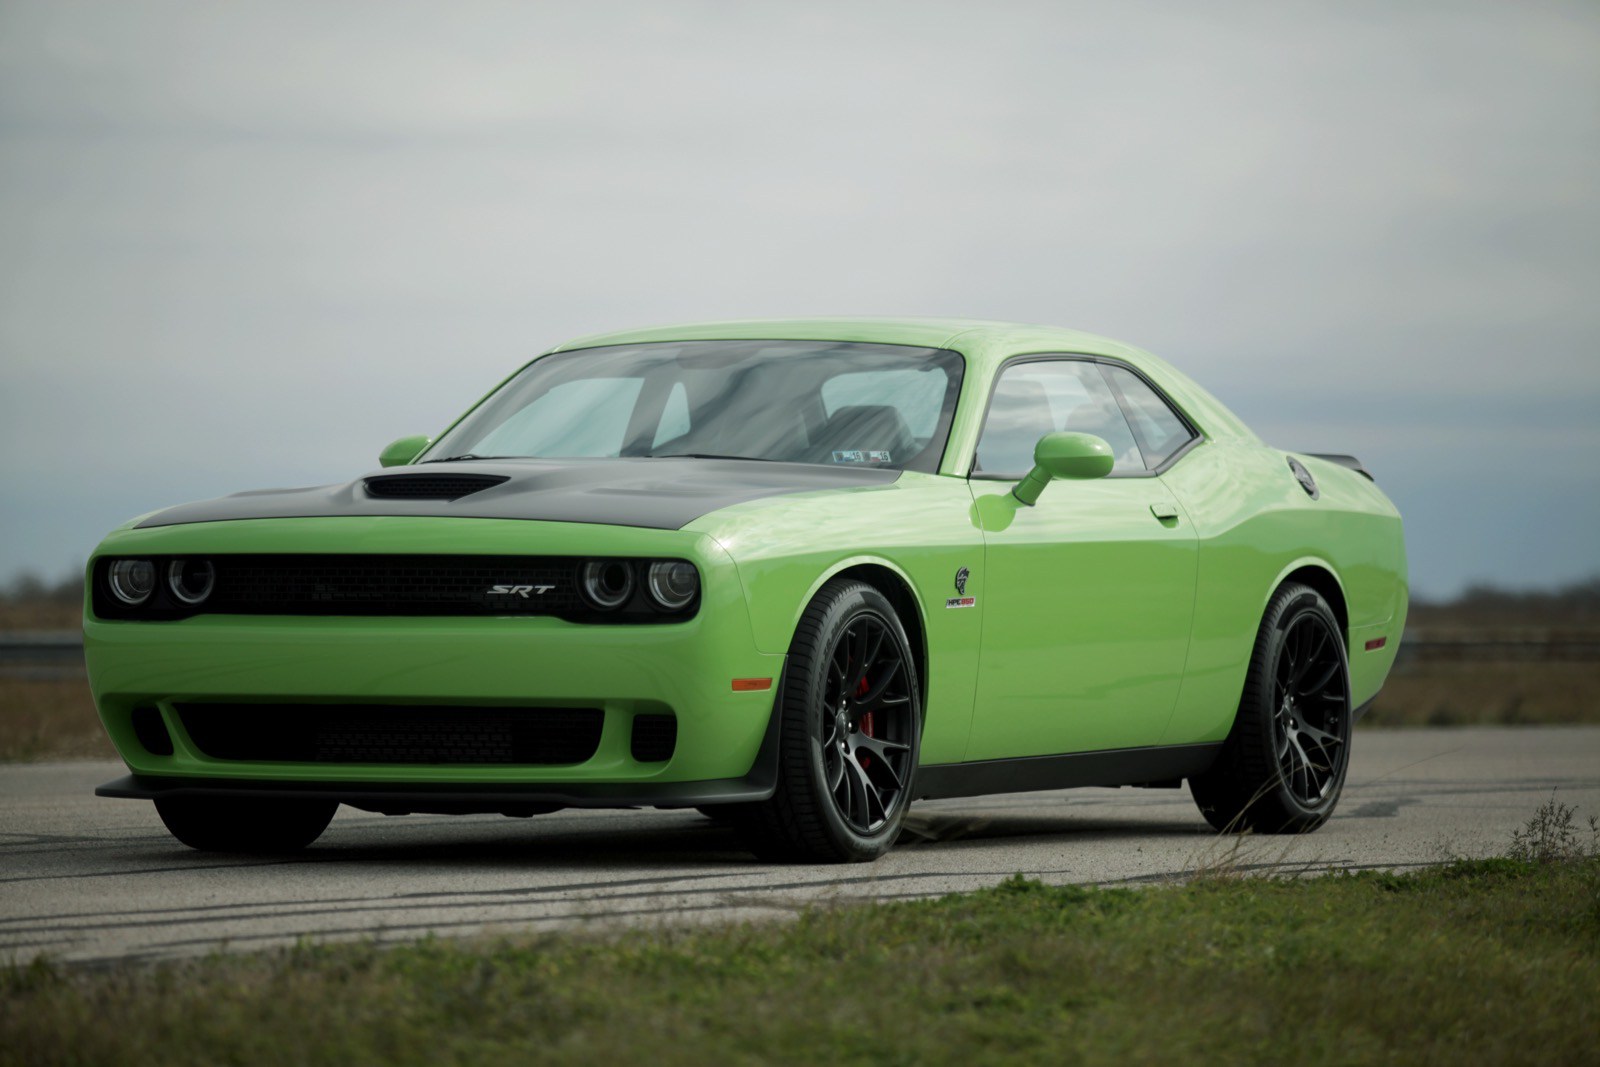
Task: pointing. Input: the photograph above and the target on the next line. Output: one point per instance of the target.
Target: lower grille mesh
(654, 737)
(368, 733)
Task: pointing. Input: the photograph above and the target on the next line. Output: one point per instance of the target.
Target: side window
(1158, 428)
(1033, 399)
(587, 417)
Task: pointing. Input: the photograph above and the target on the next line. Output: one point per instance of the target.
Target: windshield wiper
(465, 455)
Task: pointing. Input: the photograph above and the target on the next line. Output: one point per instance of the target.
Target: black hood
(662, 494)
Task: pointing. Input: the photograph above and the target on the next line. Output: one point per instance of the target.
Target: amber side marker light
(751, 685)
(1376, 643)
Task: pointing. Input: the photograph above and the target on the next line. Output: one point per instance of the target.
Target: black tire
(245, 824)
(849, 734)
(1283, 765)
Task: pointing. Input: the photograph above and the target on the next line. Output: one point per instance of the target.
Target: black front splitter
(453, 799)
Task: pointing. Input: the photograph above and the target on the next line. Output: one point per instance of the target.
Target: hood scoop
(429, 486)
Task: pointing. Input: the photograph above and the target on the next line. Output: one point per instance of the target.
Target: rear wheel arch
(1318, 576)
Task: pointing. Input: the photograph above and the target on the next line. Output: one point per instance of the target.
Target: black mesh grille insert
(654, 737)
(394, 585)
(429, 486)
(371, 733)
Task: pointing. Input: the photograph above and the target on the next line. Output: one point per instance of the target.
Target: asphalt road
(88, 879)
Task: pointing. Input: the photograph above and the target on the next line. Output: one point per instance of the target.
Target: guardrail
(41, 655)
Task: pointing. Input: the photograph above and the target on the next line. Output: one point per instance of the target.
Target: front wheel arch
(897, 590)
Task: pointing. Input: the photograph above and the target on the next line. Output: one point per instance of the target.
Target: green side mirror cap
(1077, 456)
(404, 451)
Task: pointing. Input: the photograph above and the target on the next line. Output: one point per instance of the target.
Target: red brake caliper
(866, 721)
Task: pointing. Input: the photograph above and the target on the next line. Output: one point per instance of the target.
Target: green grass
(1477, 961)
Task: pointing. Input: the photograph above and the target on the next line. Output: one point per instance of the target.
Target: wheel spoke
(834, 763)
(871, 807)
(1329, 669)
(883, 777)
(838, 669)
(1322, 737)
(869, 700)
(871, 655)
(858, 652)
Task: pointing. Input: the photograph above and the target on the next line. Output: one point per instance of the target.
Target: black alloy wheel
(1283, 766)
(866, 722)
(849, 734)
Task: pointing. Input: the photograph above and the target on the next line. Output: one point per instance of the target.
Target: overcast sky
(246, 245)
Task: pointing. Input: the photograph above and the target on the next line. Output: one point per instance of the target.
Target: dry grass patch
(50, 720)
(1489, 694)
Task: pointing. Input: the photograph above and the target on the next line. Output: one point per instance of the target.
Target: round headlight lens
(133, 580)
(673, 583)
(191, 580)
(607, 583)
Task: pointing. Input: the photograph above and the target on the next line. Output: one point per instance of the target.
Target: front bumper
(684, 669)
(465, 798)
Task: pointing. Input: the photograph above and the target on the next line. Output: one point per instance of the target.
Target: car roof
(971, 337)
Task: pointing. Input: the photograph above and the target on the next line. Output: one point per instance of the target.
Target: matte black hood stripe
(660, 494)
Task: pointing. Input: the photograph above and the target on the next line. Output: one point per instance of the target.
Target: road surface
(96, 880)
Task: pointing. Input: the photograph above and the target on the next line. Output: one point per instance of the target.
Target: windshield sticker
(862, 457)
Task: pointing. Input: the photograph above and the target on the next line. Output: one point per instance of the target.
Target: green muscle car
(794, 574)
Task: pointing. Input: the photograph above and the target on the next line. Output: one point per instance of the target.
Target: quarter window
(1159, 429)
(1035, 398)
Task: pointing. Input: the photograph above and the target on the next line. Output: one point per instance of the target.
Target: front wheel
(1283, 766)
(245, 824)
(851, 725)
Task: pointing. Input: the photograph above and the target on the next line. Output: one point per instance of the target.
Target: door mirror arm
(1075, 456)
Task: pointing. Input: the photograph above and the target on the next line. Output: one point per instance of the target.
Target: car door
(1089, 594)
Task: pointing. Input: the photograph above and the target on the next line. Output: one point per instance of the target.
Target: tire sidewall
(839, 615)
(1288, 610)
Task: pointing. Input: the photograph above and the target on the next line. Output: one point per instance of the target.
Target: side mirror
(1077, 456)
(404, 451)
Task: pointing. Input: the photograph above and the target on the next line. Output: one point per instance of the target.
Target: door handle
(1164, 511)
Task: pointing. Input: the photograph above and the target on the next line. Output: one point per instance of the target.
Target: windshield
(827, 402)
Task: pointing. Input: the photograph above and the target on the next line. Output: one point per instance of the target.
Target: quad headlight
(672, 583)
(607, 583)
(191, 580)
(132, 580)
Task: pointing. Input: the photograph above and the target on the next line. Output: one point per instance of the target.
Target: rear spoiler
(1344, 461)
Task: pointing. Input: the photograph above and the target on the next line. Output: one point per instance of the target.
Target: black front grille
(429, 486)
(654, 737)
(395, 585)
(370, 733)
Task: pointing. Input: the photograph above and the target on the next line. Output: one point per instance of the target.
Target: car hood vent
(429, 486)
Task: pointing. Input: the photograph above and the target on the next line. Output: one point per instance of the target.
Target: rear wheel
(1283, 765)
(849, 733)
(245, 824)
